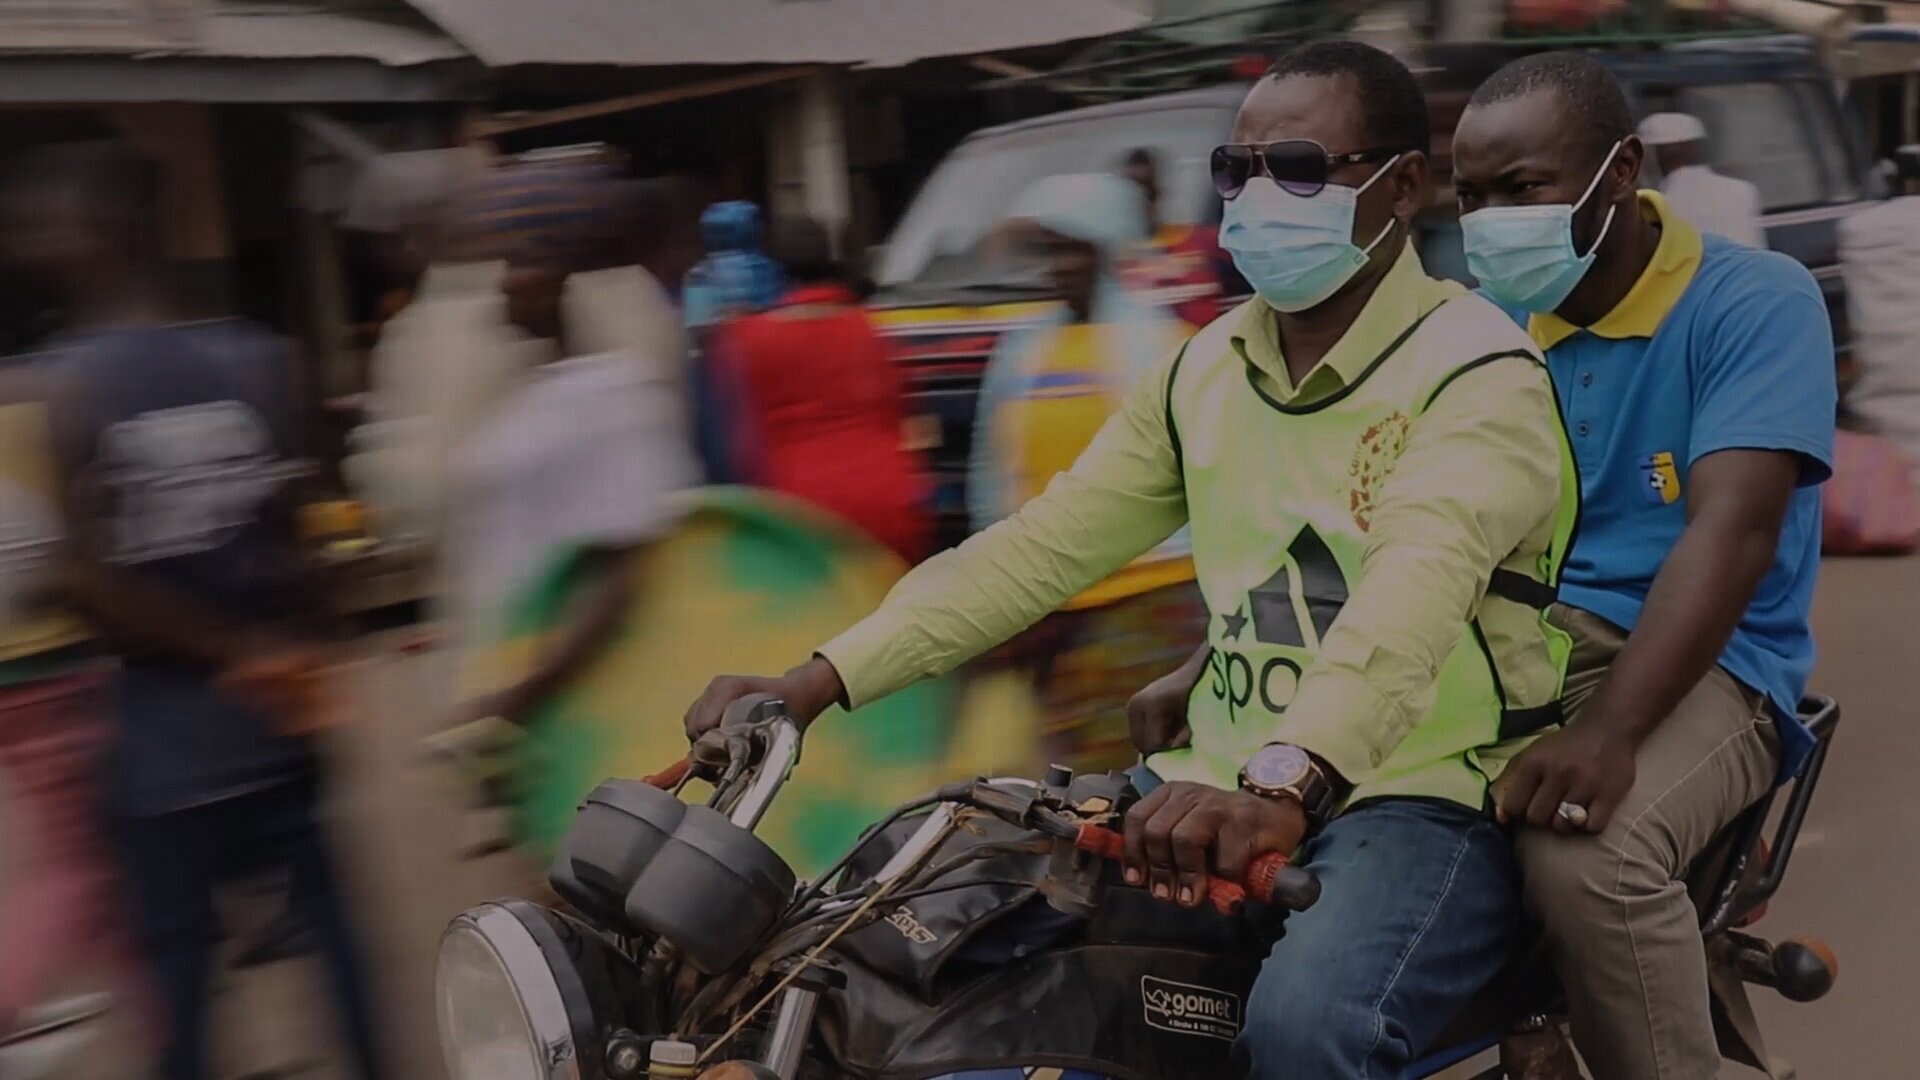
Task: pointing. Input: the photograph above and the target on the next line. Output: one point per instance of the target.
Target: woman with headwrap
(735, 278)
(1047, 391)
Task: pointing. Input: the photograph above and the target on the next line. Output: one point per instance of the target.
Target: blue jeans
(1419, 902)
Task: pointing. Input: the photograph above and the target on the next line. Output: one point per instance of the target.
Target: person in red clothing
(817, 400)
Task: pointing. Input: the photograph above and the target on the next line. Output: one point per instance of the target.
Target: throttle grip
(1273, 880)
(1270, 879)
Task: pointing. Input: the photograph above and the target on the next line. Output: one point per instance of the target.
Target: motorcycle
(979, 933)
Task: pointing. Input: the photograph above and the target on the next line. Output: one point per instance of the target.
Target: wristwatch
(1284, 771)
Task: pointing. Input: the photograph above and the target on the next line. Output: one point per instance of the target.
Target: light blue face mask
(1296, 251)
(1524, 255)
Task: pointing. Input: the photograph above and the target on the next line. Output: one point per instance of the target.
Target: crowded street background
(409, 407)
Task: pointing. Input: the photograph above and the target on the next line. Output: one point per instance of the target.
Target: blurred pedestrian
(176, 449)
(734, 278)
(1047, 391)
(1180, 266)
(443, 361)
(1714, 203)
(584, 453)
(626, 301)
(439, 365)
(816, 388)
(1880, 256)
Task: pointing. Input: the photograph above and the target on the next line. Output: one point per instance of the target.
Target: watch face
(1277, 766)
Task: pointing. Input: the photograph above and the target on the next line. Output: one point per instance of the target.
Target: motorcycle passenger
(1359, 451)
(1697, 378)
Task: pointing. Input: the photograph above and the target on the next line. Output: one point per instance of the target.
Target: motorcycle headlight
(511, 1003)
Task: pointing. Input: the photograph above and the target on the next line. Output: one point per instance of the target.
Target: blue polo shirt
(1716, 347)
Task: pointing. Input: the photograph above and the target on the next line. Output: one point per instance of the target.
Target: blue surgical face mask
(1524, 255)
(1296, 251)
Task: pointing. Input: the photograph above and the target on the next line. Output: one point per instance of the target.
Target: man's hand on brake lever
(807, 691)
(1181, 832)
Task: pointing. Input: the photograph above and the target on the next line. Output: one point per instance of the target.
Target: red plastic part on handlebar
(672, 774)
(1270, 878)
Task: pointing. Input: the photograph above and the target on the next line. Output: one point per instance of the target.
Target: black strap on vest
(1514, 723)
(1517, 723)
(1173, 429)
(1521, 589)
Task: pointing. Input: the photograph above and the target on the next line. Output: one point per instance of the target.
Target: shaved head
(1589, 95)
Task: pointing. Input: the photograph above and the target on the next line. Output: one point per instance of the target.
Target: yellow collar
(1661, 284)
(1401, 298)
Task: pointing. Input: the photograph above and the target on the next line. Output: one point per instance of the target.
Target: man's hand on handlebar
(807, 691)
(1181, 831)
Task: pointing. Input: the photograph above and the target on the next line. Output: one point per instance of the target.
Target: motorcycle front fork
(787, 1039)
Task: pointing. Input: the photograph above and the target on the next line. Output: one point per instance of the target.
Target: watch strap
(1318, 797)
(1318, 792)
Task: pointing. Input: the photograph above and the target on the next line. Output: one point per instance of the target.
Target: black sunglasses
(1300, 166)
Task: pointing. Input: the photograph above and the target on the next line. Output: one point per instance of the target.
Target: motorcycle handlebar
(748, 758)
(1270, 878)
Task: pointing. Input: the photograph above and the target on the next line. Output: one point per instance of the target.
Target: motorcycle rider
(1377, 486)
(1696, 376)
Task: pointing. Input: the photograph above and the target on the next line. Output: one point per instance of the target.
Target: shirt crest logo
(1373, 459)
(1660, 479)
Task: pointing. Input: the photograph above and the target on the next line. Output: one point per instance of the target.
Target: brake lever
(740, 741)
(754, 712)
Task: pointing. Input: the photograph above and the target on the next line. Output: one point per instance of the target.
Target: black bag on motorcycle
(973, 969)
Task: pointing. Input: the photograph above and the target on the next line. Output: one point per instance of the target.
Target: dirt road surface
(1854, 876)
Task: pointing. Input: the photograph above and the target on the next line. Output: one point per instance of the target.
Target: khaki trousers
(1623, 933)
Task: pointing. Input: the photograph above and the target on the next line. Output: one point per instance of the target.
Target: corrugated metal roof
(878, 33)
(267, 35)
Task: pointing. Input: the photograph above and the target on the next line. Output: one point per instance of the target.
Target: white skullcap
(1668, 128)
(1102, 209)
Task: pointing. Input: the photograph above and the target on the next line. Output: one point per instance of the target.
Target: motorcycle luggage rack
(1741, 886)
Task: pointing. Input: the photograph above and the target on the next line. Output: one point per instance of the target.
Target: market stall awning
(661, 33)
(263, 34)
(251, 56)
